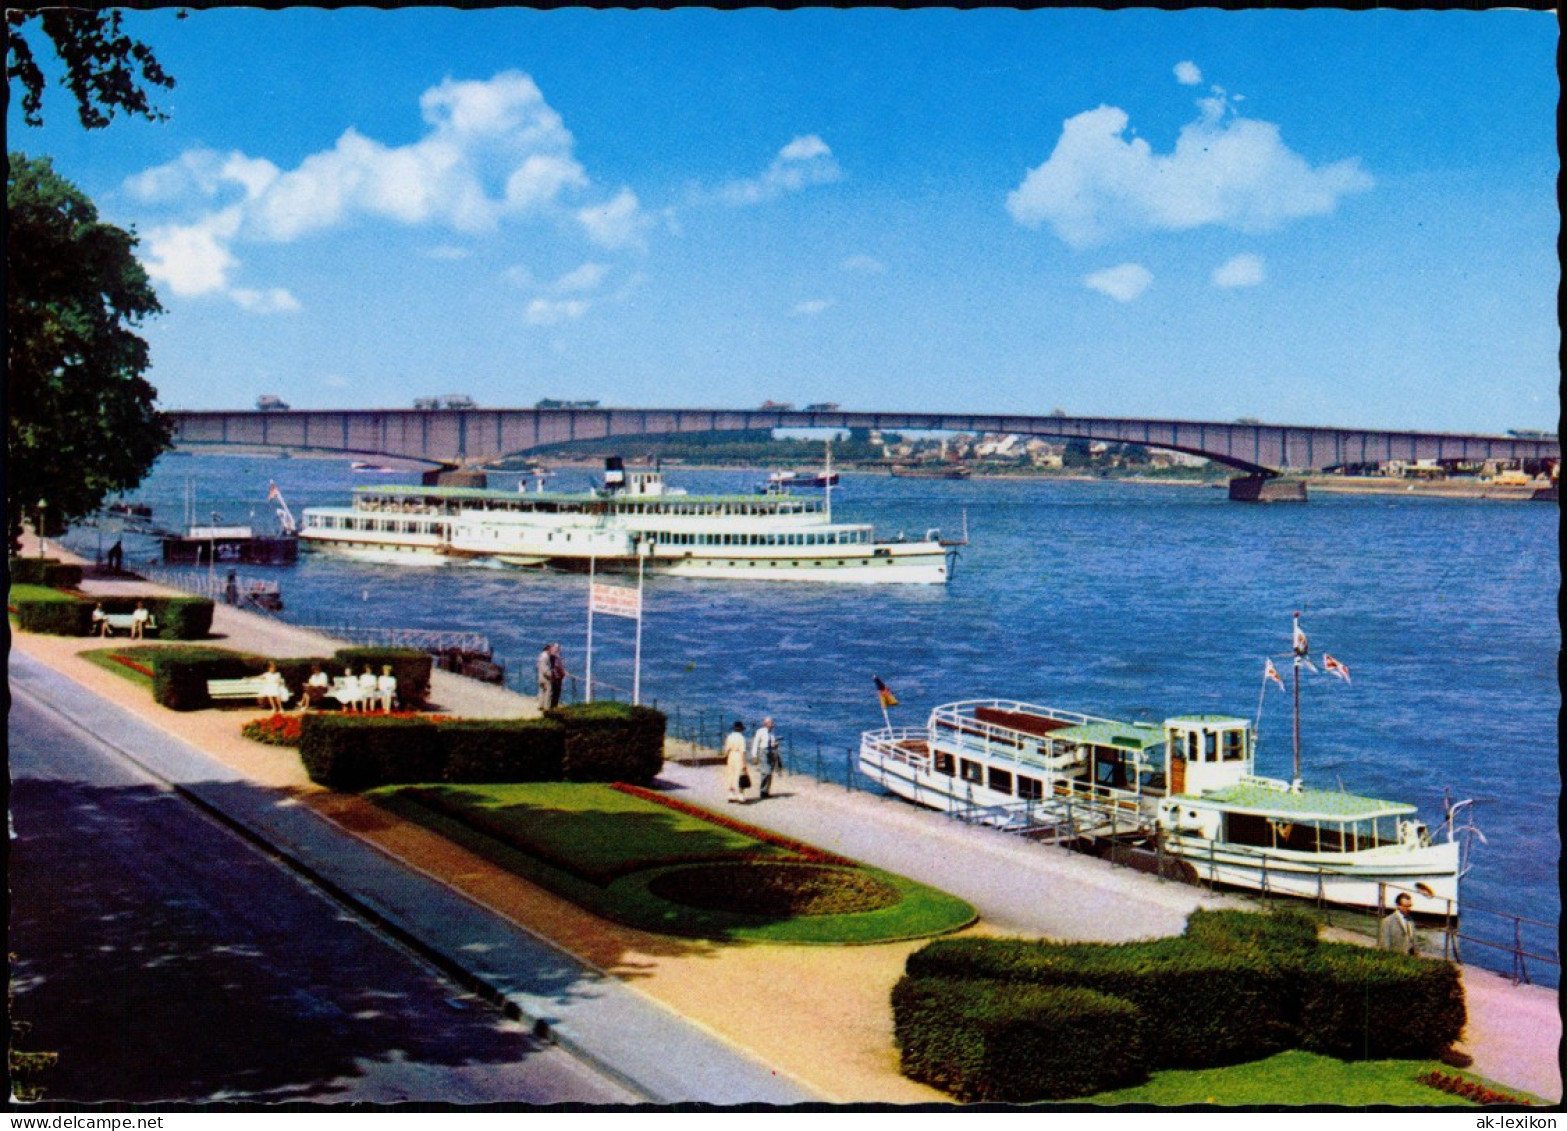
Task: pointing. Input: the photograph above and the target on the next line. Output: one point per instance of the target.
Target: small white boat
(1187, 786)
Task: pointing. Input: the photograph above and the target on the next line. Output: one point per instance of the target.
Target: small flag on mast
(1271, 672)
(1300, 638)
(1335, 668)
(272, 491)
(884, 693)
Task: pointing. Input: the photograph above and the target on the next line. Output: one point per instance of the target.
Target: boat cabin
(1204, 753)
(1271, 815)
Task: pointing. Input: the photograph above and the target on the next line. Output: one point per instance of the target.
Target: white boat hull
(1367, 879)
(430, 553)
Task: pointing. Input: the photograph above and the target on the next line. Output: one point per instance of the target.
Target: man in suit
(1398, 929)
(765, 757)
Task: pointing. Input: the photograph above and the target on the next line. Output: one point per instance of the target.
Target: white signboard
(616, 601)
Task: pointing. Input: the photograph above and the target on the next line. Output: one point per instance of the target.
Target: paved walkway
(818, 1015)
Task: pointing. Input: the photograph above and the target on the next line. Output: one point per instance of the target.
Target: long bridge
(456, 437)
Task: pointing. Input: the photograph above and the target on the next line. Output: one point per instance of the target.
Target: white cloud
(493, 151)
(550, 312)
(864, 265)
(1245, 270)
(448, 251)
(1227, 171)
(616, 224)
(1187, 73)
(584, 278)
(274, 301)
(1122, 283)
(193, 259)
(804, 162)
(812, 306)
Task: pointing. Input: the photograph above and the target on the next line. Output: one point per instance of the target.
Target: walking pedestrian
(765, 757)
(1398, 929)
(736, 766)
(551, 670)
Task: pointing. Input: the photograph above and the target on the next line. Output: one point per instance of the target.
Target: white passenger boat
(633, 516)
(1187, 786)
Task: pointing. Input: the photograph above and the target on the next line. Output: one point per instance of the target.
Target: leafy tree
(81, 420)
(105, 69)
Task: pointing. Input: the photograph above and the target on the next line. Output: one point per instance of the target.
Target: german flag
(883, 692)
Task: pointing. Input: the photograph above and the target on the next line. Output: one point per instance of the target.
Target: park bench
(123, 621)
(251, 687)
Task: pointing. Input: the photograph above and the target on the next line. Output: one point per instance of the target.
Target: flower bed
(286, 730)
(775, 889)
(274, 730)
(1469, 1089)
(134, 665)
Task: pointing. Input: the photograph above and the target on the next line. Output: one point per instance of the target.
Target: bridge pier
(1267, 489)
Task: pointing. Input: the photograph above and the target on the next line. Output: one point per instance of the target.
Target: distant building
(268, 403)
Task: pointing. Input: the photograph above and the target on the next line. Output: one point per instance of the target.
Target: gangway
(1066, 816)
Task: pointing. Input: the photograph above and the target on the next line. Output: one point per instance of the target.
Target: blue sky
(1321, 217)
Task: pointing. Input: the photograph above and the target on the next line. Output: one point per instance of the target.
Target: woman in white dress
(736, 764)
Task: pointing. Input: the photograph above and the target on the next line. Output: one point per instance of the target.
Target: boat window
(1210, 746)
(1249, 829)
(972, 771)
(1000, 780)
(1029, 788)
(943, 763)
(1234, 747)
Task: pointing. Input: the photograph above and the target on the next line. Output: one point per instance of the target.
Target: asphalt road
(165, 958)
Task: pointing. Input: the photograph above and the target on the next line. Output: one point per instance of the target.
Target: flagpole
(592, 562)
(1262, 693)
(636, 670)
(1297, 642)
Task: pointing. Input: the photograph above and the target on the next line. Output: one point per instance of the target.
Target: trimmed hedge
(1236, 986)
(178, 618)
(409, 665)
(611, 742)
(49, 611)
(179, 682)
(351, 751)
(354, 752)
(49, 572)
(1363, 1004)
(998, 1042)
(501, 750)
(1200, 1006)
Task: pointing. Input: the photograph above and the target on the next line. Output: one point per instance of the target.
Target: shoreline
(1328, 484)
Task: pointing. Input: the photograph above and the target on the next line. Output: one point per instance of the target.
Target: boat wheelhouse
(635, 517)
(1187, 786)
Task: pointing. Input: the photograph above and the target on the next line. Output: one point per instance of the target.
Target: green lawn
(1299, 1079)
(146, 656)
(602, 848)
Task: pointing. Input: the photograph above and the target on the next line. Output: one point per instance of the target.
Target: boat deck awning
(1309, 804)
(1125, 736)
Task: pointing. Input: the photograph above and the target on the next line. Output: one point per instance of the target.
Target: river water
(1127, 600)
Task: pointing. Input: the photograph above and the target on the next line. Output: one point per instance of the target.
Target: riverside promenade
(676, 1020)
